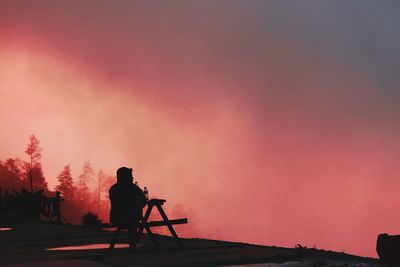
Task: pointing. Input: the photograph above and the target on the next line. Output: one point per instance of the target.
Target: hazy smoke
(229, 110)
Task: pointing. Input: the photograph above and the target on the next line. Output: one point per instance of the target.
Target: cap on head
(124, 173)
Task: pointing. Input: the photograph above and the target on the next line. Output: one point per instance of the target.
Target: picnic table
(145, 224)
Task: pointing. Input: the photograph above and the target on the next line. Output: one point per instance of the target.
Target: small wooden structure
(51, 207)
(145, 224)
(23, 206)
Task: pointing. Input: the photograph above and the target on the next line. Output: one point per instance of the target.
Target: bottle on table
(146, 193)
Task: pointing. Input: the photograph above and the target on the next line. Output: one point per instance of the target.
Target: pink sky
(264, 138)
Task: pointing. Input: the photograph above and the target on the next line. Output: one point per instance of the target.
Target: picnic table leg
(171, 229)
(114, 239)
(142, 226)
(153, 239)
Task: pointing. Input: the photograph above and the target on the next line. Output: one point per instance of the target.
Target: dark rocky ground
(28, 244)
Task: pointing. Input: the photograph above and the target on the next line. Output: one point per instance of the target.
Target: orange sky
(264, 140)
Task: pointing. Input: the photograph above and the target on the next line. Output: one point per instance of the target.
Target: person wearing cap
(127, 202)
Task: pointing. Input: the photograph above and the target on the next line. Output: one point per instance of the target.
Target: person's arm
(141, 197)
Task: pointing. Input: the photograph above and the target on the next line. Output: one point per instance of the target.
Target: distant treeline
(17, 174)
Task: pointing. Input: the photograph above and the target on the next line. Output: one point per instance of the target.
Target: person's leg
(132, 235)
(131, 223)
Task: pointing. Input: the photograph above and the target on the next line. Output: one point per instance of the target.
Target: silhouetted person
(127, 202)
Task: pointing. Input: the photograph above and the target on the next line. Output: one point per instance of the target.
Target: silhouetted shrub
(91, 220)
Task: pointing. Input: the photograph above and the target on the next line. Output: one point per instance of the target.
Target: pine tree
(33, 150)
(65, 183)
(34, 172)
(84, 179)
(101, 176)
(11, 174)
(106, 182)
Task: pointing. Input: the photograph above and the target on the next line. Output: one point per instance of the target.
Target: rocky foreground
(45, 244)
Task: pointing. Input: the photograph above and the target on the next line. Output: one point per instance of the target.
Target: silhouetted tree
(38, 179)
(66, 184)
(33, 150)
(85, 177)
(35, 177)
(11, 174)
(101, 176)
(105, 183)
